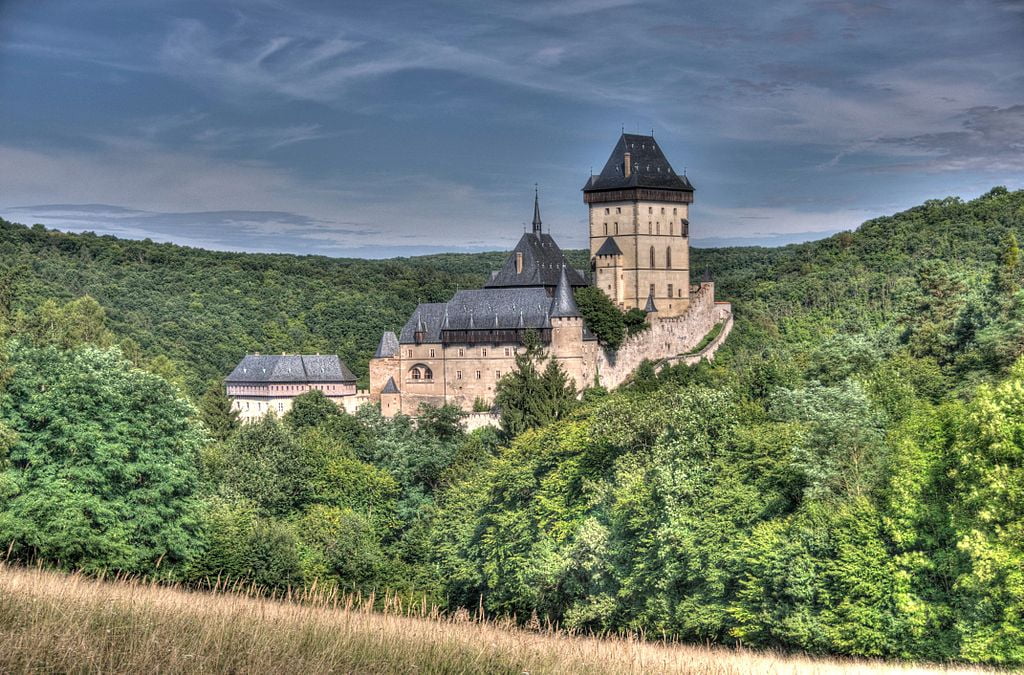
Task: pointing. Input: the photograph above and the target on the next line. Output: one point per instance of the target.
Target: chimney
(627, 164)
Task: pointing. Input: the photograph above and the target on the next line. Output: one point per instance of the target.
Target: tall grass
(52, 622)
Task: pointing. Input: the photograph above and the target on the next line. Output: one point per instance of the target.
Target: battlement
(666, 338)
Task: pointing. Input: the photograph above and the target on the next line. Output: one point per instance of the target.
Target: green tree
(310, 409)
(443, 423)
(601, 315)
(529, 397)
(51, 324)
(102, 472)
(216, 412)
(988, 517)
(263, 464)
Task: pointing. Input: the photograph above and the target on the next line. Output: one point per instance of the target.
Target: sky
(376, 129)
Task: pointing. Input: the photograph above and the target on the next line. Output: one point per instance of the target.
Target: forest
(847, 477)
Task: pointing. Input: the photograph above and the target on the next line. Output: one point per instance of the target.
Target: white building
(260, 384)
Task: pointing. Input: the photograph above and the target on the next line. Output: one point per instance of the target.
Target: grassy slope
(52, 622)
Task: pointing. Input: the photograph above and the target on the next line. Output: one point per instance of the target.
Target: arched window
(420, 372)
(668, 259)
(652, 257)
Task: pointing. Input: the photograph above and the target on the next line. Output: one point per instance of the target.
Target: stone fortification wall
(666, 338)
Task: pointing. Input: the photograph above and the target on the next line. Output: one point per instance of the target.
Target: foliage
(101, 471)
(310, 409)
(216, 412)
(530, 396)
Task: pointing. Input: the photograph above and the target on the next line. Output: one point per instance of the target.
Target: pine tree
(530, 397)
(216, 413)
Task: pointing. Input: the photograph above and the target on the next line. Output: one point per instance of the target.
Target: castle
(455, 352)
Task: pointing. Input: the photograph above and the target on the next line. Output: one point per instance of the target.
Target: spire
(447, 324)
(419, 323)
(522, 323)
(650, 308)
(564, 304)
(536, 211)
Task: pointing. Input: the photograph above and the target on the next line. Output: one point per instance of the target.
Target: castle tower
(640, 228)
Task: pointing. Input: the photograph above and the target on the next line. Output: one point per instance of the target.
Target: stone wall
(666, 337)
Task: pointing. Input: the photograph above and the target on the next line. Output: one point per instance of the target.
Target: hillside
(204, 309)
(845, 478)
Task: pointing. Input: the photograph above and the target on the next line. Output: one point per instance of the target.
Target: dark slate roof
(564, 303)
(390, 387)
(609, 247)
(542, 264)
(388, 345)
(649, 168)
(291, 368)
(480, 309)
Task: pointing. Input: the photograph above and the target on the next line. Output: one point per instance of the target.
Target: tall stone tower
(640, 228)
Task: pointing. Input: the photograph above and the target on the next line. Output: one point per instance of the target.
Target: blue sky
(394, 128)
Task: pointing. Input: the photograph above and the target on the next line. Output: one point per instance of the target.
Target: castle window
(650, 228)
(606, 229)
(462, 352)
(421, 372)
(657, 227)
(508, 351)
(668, 260)
(618, 209)
(607, 211)
(652, 290)
(670, 290)
(478, 374)
(663, 210)
(458, 374)
(431, 353)
(497, 374)
(280, 407)
(680, 292)
(673, 212)
(650, 209)
(616, 228)
(684, 227)
(483, 352)
(652, 259)
(409, 353)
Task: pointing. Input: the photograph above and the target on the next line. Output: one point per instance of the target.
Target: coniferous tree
(216, 412)
(530, 397)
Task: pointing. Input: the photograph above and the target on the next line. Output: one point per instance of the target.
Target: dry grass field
(52, 622)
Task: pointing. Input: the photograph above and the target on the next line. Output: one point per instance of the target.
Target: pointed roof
(564, 303)
(649, 168)
(390, 387)
(536, 212)
(609, 247)
(543, 261)
(388, 346)
(649, 308)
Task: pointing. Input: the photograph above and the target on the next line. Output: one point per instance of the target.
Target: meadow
(57, 622)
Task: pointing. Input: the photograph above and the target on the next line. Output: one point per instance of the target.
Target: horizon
(398, 128)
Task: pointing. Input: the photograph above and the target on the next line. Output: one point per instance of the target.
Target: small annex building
(269, 383)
